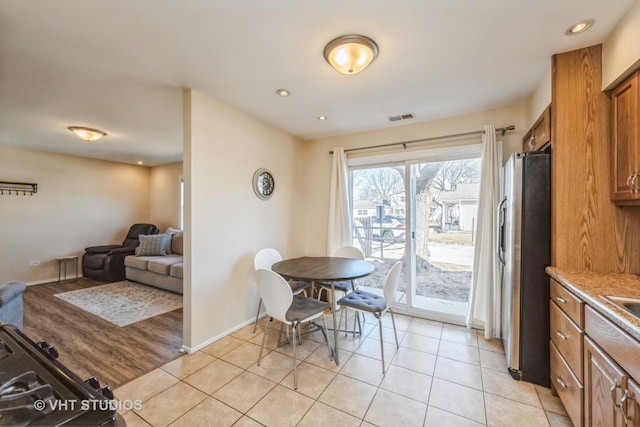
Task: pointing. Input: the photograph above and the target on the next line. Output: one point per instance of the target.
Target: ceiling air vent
(401, 117)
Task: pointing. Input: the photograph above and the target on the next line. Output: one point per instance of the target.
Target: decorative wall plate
(263, 183)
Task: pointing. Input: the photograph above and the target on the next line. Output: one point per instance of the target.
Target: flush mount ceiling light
(87, 134)
(322, 117)
(350, 54)
(283, 92)
(580, 27)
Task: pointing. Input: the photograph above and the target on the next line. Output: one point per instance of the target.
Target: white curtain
(339, 227)
(486, 300)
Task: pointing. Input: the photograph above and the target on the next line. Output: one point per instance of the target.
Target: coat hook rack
(9, 188)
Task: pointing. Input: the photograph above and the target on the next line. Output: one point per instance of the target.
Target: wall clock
(263, 183)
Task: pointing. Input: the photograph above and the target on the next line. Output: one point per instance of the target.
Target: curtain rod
(502, 130)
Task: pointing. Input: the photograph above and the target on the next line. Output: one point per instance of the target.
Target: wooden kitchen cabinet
(611, 397)
(539, 135)
(567, 338)
(566, 385)
(633, 404)
(611, 371)
(604, 385)
(625, 140)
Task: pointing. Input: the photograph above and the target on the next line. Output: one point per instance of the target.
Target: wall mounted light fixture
(350, 54)
(87, 134)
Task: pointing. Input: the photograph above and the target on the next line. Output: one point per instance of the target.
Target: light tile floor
(442, 375)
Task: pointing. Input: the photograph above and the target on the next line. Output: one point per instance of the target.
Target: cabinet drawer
(567, 338)
(569, 303)
(567, 385)
(622, 348)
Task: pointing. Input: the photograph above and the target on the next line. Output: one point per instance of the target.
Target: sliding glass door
(423, 212)
(378, 221)
(444, 196)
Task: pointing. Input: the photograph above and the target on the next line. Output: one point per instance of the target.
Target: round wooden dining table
(324, 269)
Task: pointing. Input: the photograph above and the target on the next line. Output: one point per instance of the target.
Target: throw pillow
(176, 243)
(175, 246)
(152, 245)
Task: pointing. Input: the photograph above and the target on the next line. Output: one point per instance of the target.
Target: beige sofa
(161, 271)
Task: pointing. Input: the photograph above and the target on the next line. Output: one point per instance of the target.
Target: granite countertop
(590, 286)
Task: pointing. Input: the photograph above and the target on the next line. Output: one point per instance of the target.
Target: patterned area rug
(123, 303)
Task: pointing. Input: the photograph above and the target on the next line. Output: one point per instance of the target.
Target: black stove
(37, 390)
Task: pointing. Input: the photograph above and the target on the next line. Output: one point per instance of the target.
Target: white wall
(314, 165)
(225, 223)
(540, 98)
(165, 195)
(80, 202)
(621, 50)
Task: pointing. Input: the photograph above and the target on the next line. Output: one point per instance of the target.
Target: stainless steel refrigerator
(525, 251)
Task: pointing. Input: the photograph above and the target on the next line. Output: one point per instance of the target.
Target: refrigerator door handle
(501, 219)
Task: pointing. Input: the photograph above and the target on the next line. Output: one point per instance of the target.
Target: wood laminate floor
(91, 346)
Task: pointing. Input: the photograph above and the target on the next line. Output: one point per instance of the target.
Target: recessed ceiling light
(283, 92)
(140, 162)
(580, 27)
(322, 117)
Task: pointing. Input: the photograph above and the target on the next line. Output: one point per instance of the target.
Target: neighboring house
(459, 207)
(364, 208)
(393, 205)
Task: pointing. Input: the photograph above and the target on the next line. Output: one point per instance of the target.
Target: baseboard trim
(55, 279)
(210, 341)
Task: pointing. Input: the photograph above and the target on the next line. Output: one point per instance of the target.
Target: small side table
(62, 265)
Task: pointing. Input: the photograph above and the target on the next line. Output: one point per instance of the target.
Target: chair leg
(381, 343)
(356, 320)
(326, 334)
(340, 322)
(280, 342)
(304, 291)
(255, 325)
(393, 320)
(264, 339)
(346, 322)
(295, 375)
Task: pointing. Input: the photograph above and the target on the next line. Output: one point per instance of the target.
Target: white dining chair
(291, 310)
(366, 302)
(265, 258)
(343, 287)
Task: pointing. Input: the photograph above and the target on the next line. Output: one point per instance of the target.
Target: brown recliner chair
(106, 263)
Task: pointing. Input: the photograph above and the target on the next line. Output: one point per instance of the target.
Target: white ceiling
(120, 65)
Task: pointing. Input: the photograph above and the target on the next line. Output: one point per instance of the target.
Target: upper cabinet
(625, 137)
(539, 135)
